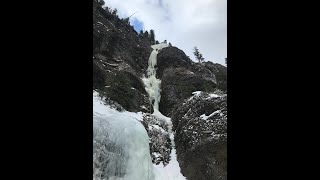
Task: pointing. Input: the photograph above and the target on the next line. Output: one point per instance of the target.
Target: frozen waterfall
(152, 84)
(121, 143)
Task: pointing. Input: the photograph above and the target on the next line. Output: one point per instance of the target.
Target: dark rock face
(180, 77)
(179, 83)
(113, 38)
(120, 57)
(98, 76)
(171, 57)
(220, 72)
(127, 90)
(201, 137)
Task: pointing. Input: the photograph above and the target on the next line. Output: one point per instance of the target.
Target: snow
(157, 127)
(111, 24)
(156, 154)
(197, 93)
(203, 116)
(161, 116)
(114, 65)
(143, 107)
(213, 96)
(172, 170)
(103, 25)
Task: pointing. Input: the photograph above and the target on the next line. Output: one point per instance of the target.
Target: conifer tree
(152, 36)
(198, 55)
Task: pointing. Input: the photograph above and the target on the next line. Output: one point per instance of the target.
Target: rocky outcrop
(201, 136)
(180, 77)
(127, 90)
(179, 83)
(220, 72)
(171, 57)
(159, 139)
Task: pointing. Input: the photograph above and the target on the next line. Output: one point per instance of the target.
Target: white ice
(120, 144)
(152, 84)
(203, 116)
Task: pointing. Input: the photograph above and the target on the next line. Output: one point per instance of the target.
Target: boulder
(179, 83)
(200, 123)
(171, 57)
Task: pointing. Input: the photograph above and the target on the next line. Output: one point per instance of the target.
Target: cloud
(184, 23)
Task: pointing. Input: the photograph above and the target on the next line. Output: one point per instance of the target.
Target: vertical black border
(268, 120)
(49, 129)
(248, 90)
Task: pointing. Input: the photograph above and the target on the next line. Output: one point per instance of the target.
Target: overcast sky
(184, 23)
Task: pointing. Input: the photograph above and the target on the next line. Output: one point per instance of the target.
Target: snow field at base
(172, 170)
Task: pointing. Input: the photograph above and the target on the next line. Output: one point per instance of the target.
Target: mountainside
(120, 57)
(192, 96)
